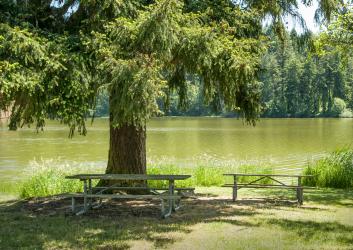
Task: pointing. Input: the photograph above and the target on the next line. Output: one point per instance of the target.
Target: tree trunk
(127, 150)
(127, 154)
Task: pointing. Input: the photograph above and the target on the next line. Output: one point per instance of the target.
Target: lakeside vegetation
(48, 177)
(335, 170)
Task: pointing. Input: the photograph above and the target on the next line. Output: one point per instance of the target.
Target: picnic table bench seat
(274, 177)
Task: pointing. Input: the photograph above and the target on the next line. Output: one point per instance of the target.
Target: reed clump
(334, 171)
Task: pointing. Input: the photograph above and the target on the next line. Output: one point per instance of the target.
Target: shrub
(335, 171)
(347, 113)
(338, 107)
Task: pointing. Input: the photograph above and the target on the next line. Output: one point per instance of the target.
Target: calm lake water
(282, 143)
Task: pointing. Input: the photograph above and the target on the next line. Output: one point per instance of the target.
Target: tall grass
(48, 177)
(335, 170)
(206, 176)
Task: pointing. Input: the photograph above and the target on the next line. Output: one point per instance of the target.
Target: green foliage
(347, 113)
(339, 106)
(49, 182)
(339, 33)
(48, 177)
(336, 170)
(37, 80)
(54, 61)
(299, 83)
(149, 57)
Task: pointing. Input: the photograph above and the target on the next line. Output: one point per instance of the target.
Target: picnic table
(274, 177)
(90, 192)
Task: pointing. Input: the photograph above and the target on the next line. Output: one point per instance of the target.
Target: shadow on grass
(340, 197)
(310, 229)
(48, 223)
(39, 222)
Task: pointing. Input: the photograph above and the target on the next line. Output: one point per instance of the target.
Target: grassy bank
(47, 180)
(261, 219)
(334, 171)
(48, 177)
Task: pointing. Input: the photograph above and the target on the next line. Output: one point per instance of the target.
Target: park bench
(89, 192)
(274, 177)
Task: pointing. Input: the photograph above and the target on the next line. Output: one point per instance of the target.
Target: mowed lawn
(261, 219)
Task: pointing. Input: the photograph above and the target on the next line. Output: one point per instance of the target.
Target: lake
(281, 143)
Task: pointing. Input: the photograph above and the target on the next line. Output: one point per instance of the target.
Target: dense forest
(296, 81)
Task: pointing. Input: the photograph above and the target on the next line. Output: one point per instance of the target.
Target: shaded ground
(261, 219)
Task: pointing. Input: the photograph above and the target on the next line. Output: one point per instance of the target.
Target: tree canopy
(56, 55)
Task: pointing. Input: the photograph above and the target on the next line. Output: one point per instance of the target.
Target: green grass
(48, 177)
(261, 219)
(207, 176)
(48, 182)
(335, 171)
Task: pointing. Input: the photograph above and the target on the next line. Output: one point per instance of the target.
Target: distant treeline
(300, 83)
(294, 82)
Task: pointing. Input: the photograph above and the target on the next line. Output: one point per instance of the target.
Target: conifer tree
(56, 55)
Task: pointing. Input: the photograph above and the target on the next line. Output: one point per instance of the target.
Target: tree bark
(127, 150)
(127, 154)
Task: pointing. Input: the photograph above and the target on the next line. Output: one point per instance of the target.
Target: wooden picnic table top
(270, 175)
(128, 177)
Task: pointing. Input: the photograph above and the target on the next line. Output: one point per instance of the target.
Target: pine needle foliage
(55, 56)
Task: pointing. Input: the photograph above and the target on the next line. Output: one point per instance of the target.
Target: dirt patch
(196, 207)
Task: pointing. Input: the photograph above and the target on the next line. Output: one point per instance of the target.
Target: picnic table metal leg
(85, 195)
(300, 191)
(171, 192)
(235, 189)
(162, 208)
(90, 192)
(171, 205)
(73, 201)
(85, 207)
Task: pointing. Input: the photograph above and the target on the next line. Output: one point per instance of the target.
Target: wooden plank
(270, 175)
(128, 196)
(127, 177)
